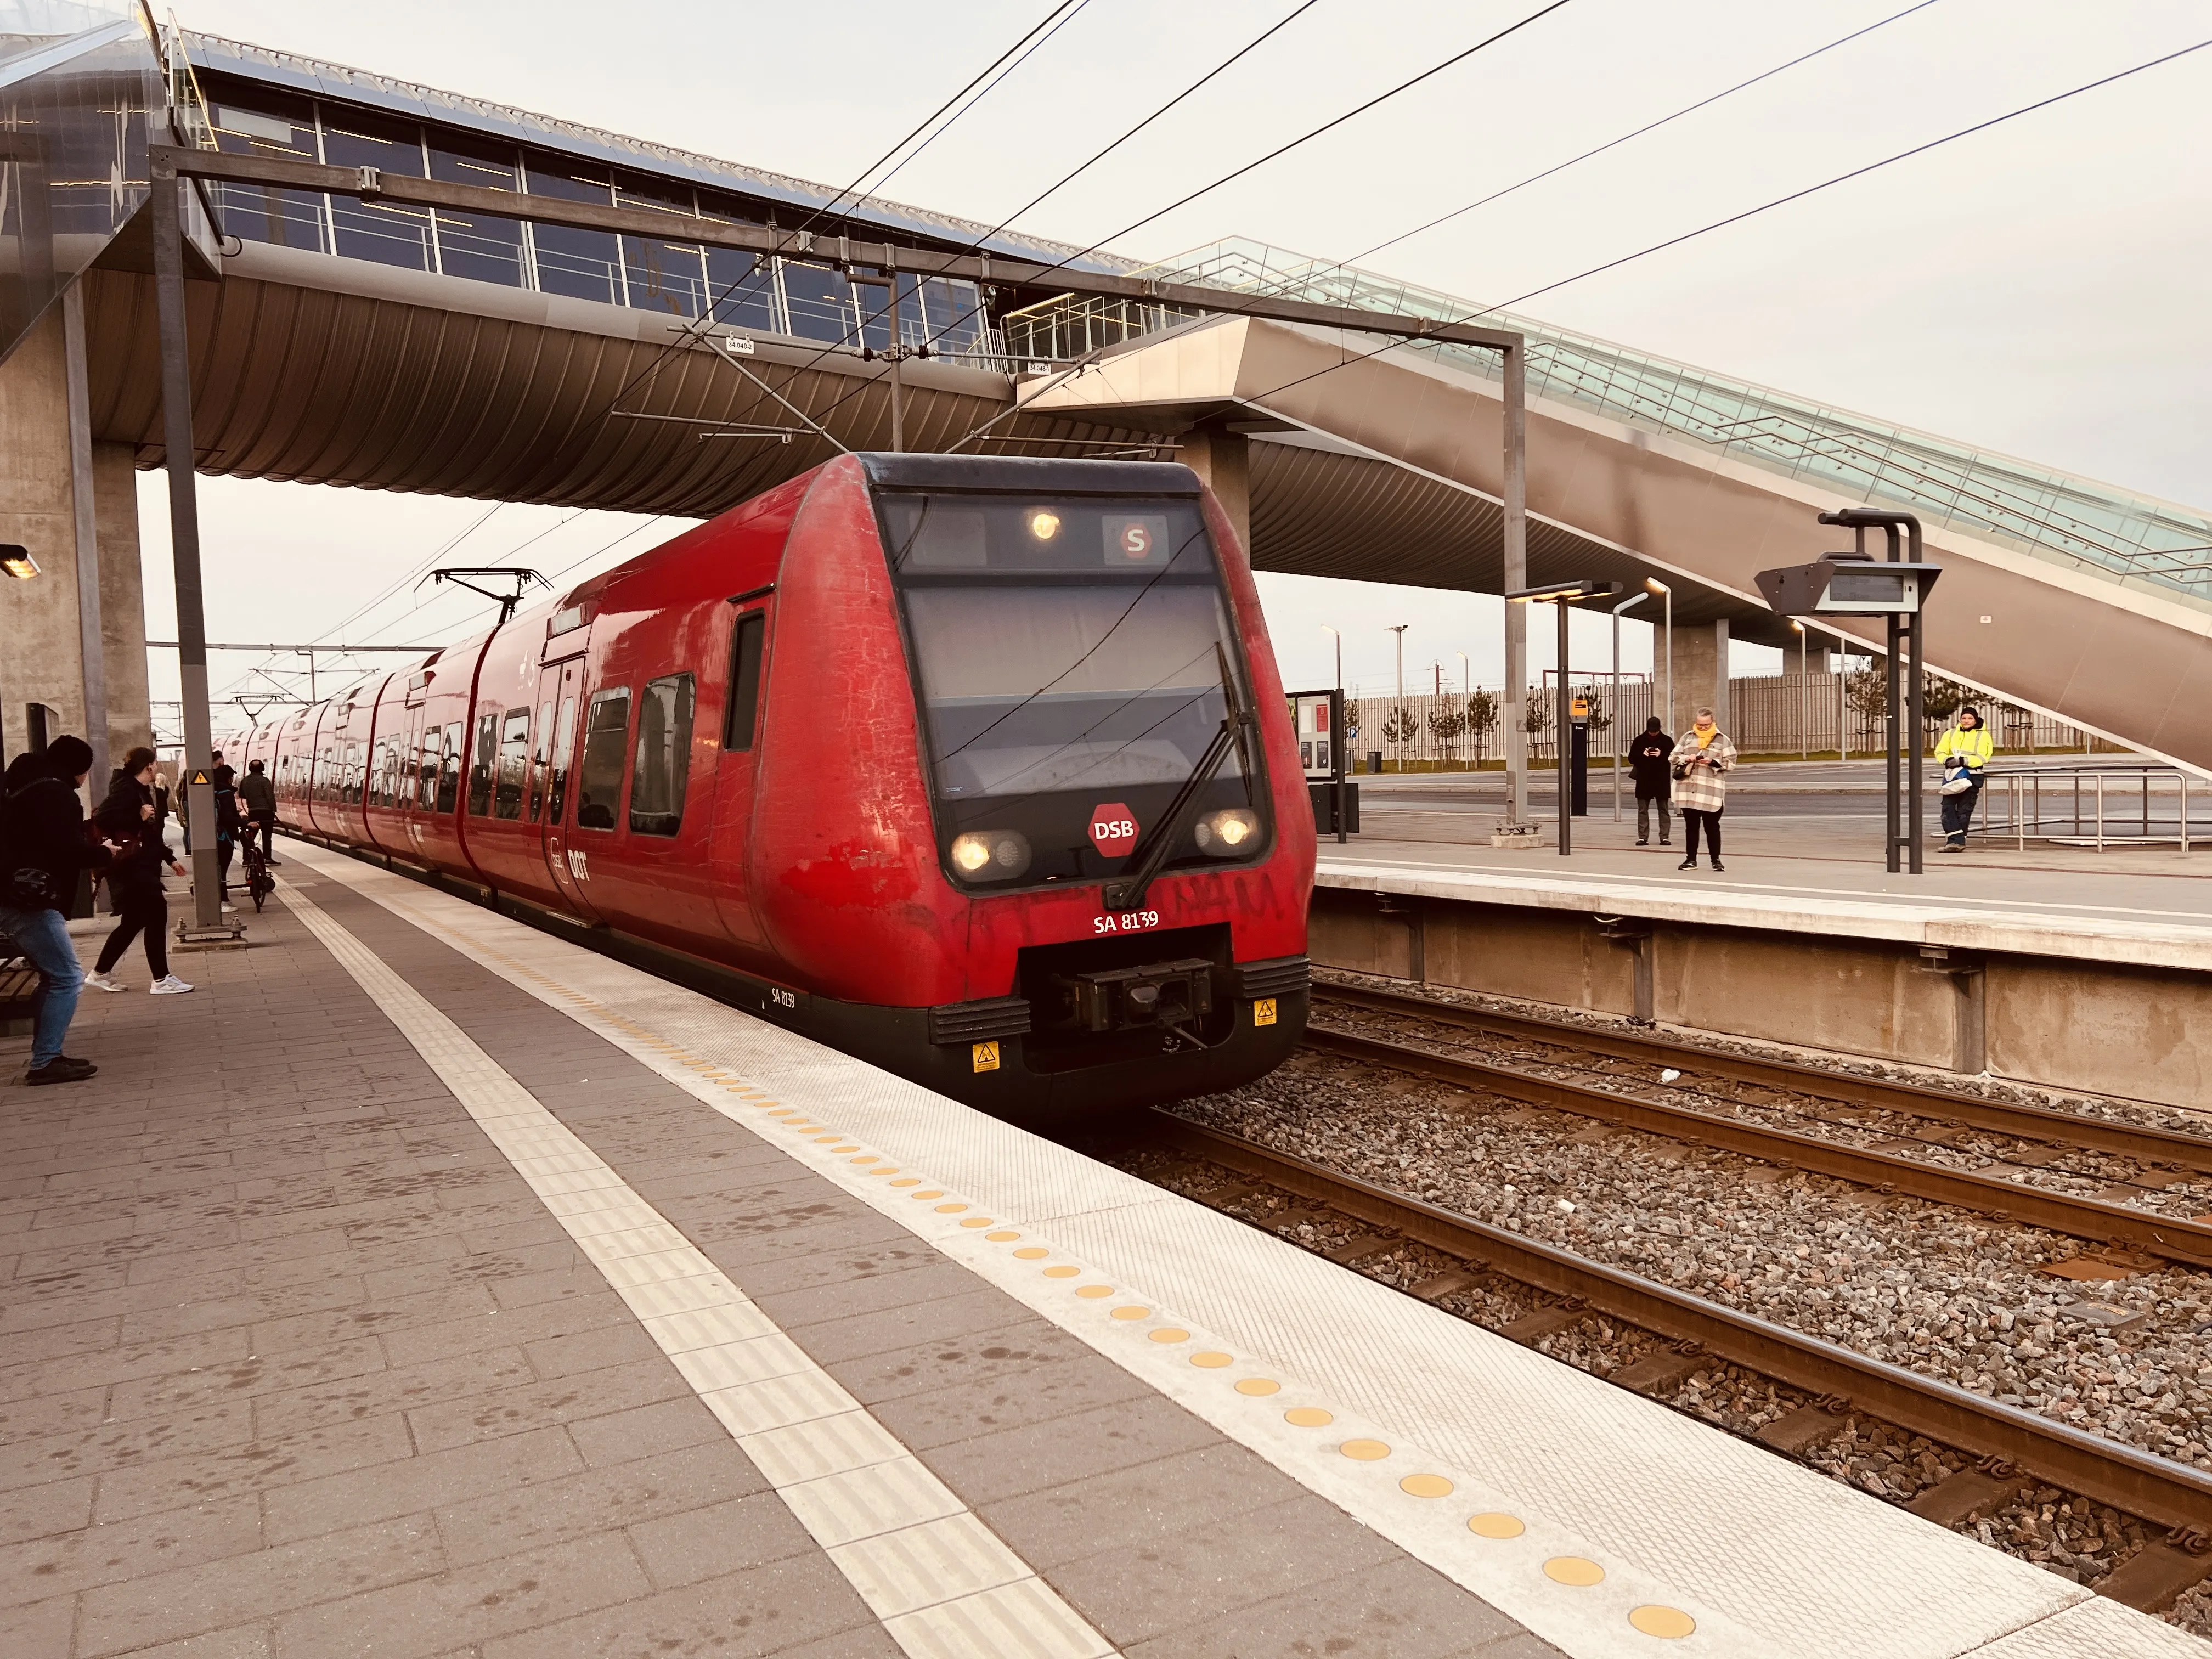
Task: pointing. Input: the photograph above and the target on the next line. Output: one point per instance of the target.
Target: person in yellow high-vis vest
(1962, 752)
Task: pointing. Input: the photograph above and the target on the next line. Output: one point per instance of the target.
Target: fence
(1767, 714)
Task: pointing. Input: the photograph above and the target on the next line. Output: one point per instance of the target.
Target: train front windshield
(1072, 655)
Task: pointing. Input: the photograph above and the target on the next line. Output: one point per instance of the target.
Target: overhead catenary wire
(1765, 207)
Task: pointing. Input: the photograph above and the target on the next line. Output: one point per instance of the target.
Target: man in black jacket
(1649, 755)
(43, 846)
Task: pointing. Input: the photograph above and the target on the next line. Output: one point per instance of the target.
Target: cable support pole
(1514, 551)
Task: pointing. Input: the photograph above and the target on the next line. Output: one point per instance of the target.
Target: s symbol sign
(1113, 829)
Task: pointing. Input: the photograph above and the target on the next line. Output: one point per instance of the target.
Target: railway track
(2013, 1447)
(1634, 1104)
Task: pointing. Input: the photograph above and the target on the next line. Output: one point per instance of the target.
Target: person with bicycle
(134, 819)
(257, 796)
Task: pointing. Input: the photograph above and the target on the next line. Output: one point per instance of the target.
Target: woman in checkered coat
(1700, 767)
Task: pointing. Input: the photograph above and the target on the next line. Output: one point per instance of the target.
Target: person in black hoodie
(1649, 756)
(43, 846)
(134, 816)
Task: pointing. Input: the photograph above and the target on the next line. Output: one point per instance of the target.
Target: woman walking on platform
(134, 817)
(1701, 763)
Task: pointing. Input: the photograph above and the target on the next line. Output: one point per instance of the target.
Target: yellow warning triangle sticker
(199, 777)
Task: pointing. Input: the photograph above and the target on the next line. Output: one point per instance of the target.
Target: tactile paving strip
(944, 1584)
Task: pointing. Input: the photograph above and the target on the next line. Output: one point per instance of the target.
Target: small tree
(1536, 721)
(1350, 735)
(1399, 726)
(1447, 725)
(1868, 693)
(1481, 719)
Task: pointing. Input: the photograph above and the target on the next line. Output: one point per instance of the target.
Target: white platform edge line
(1590, 1625)
(489, 1094)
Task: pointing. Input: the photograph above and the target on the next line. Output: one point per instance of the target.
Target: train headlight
(990, 855)
(1225, 834)
(1044, 524)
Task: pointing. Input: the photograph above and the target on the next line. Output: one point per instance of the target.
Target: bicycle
(258, 882)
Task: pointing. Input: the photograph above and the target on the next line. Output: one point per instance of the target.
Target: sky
(2035, 290)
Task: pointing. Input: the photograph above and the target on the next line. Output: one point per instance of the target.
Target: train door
(562, 685)
(736, 775)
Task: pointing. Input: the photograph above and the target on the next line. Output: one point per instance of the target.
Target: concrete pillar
(1223, 461)
(44, 628)
(1701, 673)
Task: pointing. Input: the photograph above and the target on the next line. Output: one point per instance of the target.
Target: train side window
(663, 756)
(542, 760)
(480, 765)
(513, 764)
(449, 764)
(742, 704)
(563, 736)
(599, 780)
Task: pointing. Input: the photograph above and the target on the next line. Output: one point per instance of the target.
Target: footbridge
(338, 337)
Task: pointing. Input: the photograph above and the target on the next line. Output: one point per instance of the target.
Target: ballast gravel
(1939, 1290)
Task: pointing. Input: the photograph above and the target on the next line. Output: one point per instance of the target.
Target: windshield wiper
(1127, 893)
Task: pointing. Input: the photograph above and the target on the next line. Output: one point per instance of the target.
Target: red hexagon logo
(1113, 829)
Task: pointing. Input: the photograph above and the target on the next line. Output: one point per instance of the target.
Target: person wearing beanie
(133, 818)
(1648, 757)
(1962, 752)
(43, 848)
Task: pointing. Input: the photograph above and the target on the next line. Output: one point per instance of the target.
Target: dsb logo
(1113, 829)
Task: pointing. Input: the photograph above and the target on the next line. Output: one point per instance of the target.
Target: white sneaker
(167, 986)
(105, 982)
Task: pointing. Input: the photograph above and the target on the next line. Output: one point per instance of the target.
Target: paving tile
(44, 1414)
(247, 1377)
(383, 1390)
(38, 1629)
(254, 1466)
(207, 1426)
(253, 1641)
(1134, 1593)
(1078, 1447)
(798, 1310)
(240, 1589)
(733, 1536)
(945, 1320)
(1148, 1507)
(1075, 1383)
(85, 1556)
(525, 1593)
(617, 1342)
(766, 1609)
(645, 1431)
(977, 1361)
(503, 1328)
(38, 1511)
(1398, 1610)
(573, 1507)
(541, 1404)
(407, 1484)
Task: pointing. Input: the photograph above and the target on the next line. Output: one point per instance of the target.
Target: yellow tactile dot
(1002, 1237)
(1495, 1525)
(1168, 1333)
(977, 1221)
(1573, 1570)
(1031, 1253)
(1426, 1485)
(868, 1158)
(1132, 1313)
(1657, 1620)
(832, 1135)
(779, 1111)
(932, 1193)
(1259, 1387)
(910, 1181)
(1094, 1292)
(1364, 1451)
(1061, 1272)
(847, 1147)
(1308, 1417)
(946, 1209)
(888, 1169)
(1210, 1361)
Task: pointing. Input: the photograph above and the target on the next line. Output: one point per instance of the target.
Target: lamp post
(1632, 600)
(1561, 595)
(1804, 656)
(1399, 630)
(16, 562)
(1341, 759)
(1466, 675)
(1654, 585)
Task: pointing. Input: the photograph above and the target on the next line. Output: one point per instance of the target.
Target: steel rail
(374, 185)
(2139, 1483)
(2143, 1144)
(2189, 1241)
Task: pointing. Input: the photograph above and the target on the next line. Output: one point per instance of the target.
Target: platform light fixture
(17, 561)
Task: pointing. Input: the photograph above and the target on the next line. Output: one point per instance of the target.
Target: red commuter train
(976, 768)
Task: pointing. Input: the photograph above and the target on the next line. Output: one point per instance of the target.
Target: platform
(425, 1285)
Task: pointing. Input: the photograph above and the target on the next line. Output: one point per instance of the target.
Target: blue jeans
(41, 936)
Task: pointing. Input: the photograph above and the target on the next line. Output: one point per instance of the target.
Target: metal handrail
(2026, 817)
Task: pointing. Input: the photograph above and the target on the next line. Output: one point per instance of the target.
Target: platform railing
(2100, 806)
